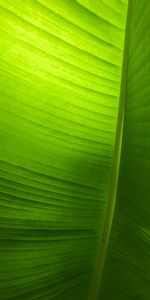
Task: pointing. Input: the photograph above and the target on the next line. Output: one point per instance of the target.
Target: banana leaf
(75, 150)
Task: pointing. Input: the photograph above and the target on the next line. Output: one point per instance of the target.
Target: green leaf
(67, 81)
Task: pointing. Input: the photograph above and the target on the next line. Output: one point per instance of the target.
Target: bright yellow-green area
(61, 64)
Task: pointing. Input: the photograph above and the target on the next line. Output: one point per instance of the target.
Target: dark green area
(127, 267)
